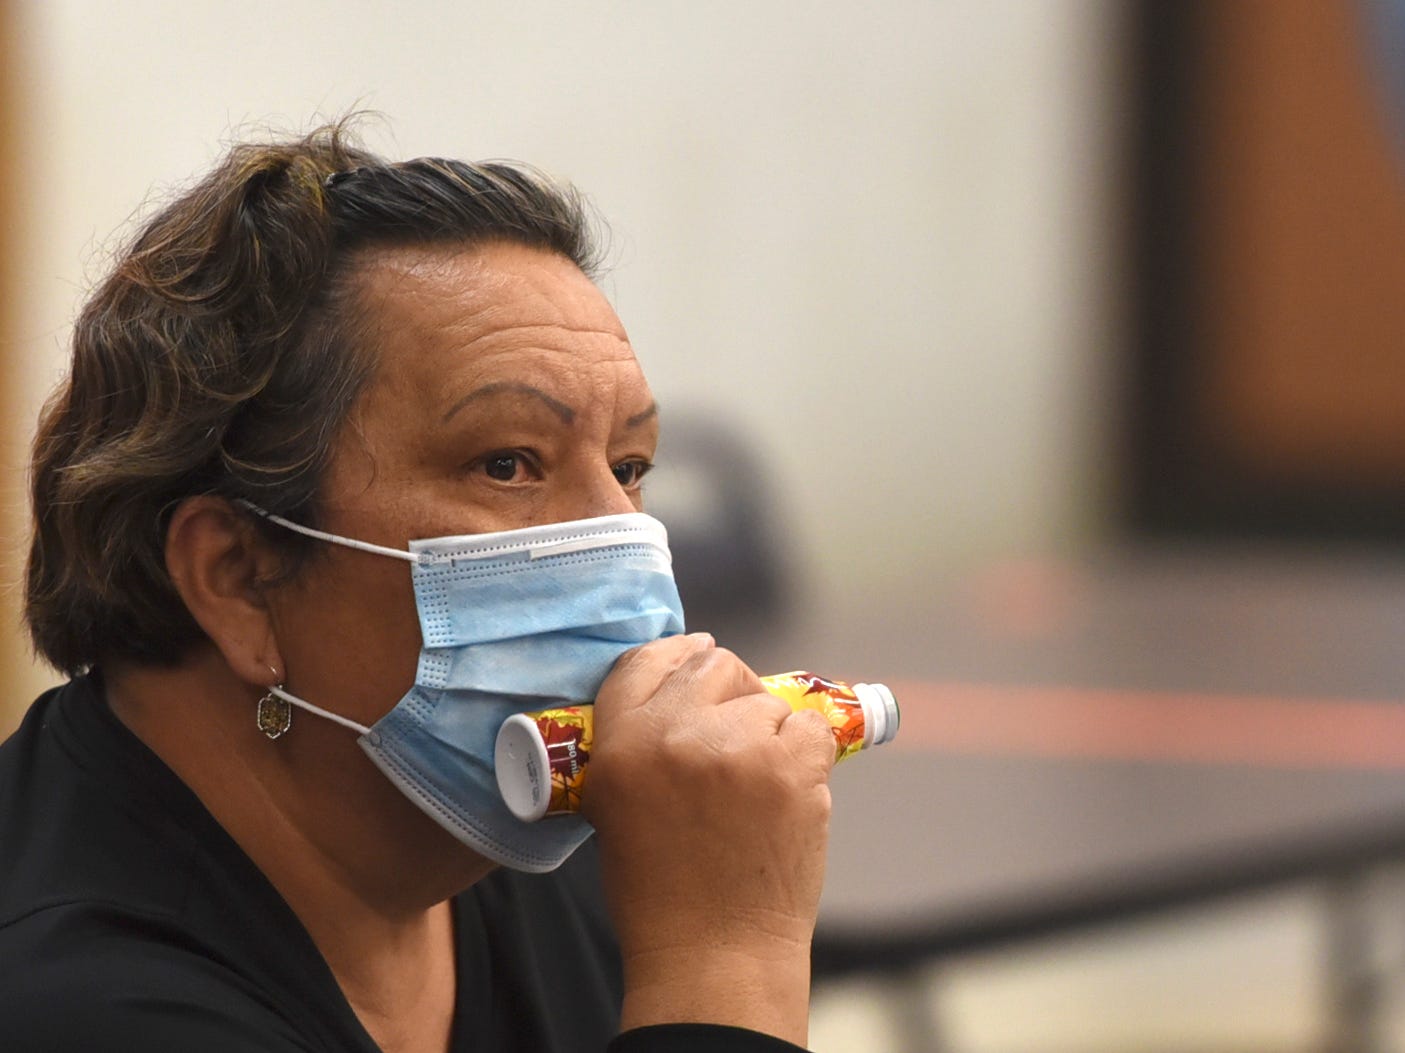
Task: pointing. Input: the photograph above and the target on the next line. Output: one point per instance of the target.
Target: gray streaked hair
(222, 355)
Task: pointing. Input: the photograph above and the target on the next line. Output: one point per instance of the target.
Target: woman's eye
(630, 474)
(505, 466)
(501, 467)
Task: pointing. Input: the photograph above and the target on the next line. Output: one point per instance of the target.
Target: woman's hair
(222, 356)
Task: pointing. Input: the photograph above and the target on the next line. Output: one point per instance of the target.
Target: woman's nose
(599, 495)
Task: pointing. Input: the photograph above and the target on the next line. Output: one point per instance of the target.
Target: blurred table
(1083, 740)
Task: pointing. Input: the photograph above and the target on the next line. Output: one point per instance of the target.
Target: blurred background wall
(16, 670)
(877, 243)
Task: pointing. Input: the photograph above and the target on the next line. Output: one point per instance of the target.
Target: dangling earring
(275, 715)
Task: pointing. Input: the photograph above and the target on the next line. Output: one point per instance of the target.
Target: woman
(313, 341)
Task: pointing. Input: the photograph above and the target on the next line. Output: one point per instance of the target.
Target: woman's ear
(218, 563)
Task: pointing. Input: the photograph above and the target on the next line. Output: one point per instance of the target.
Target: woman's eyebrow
(498, 387)
(640, 418)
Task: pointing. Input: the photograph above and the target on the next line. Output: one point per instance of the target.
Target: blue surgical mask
(511, 621)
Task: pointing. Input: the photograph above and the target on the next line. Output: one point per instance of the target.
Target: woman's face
(506, 395)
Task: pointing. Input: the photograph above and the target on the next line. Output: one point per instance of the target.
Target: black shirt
(129, 919)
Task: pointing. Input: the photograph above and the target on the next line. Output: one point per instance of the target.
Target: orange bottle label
(568, 733)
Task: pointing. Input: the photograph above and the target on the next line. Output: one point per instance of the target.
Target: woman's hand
(711, 802)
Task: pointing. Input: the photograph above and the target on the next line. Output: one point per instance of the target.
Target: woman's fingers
(639, 672)
(711, 802)
(809, 738)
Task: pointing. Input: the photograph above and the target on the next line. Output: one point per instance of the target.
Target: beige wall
(20, 678)
(873, 237)
(10, 496)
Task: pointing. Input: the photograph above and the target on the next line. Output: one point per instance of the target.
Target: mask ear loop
(284, 698)
(275, 714)
(336, 539)
(275, 711)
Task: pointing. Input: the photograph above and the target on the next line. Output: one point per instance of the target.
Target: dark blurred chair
(711, 492)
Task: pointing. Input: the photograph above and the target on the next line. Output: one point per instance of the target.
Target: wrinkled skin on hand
(711, 802)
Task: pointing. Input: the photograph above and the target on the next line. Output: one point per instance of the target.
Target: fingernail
(703, 638)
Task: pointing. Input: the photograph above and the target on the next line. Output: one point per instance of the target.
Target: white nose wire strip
(480, 548)
(336, 539)
(335, 718)
(587, 544)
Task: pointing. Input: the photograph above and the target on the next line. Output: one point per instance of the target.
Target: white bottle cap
(522, 768)
(880, 713)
